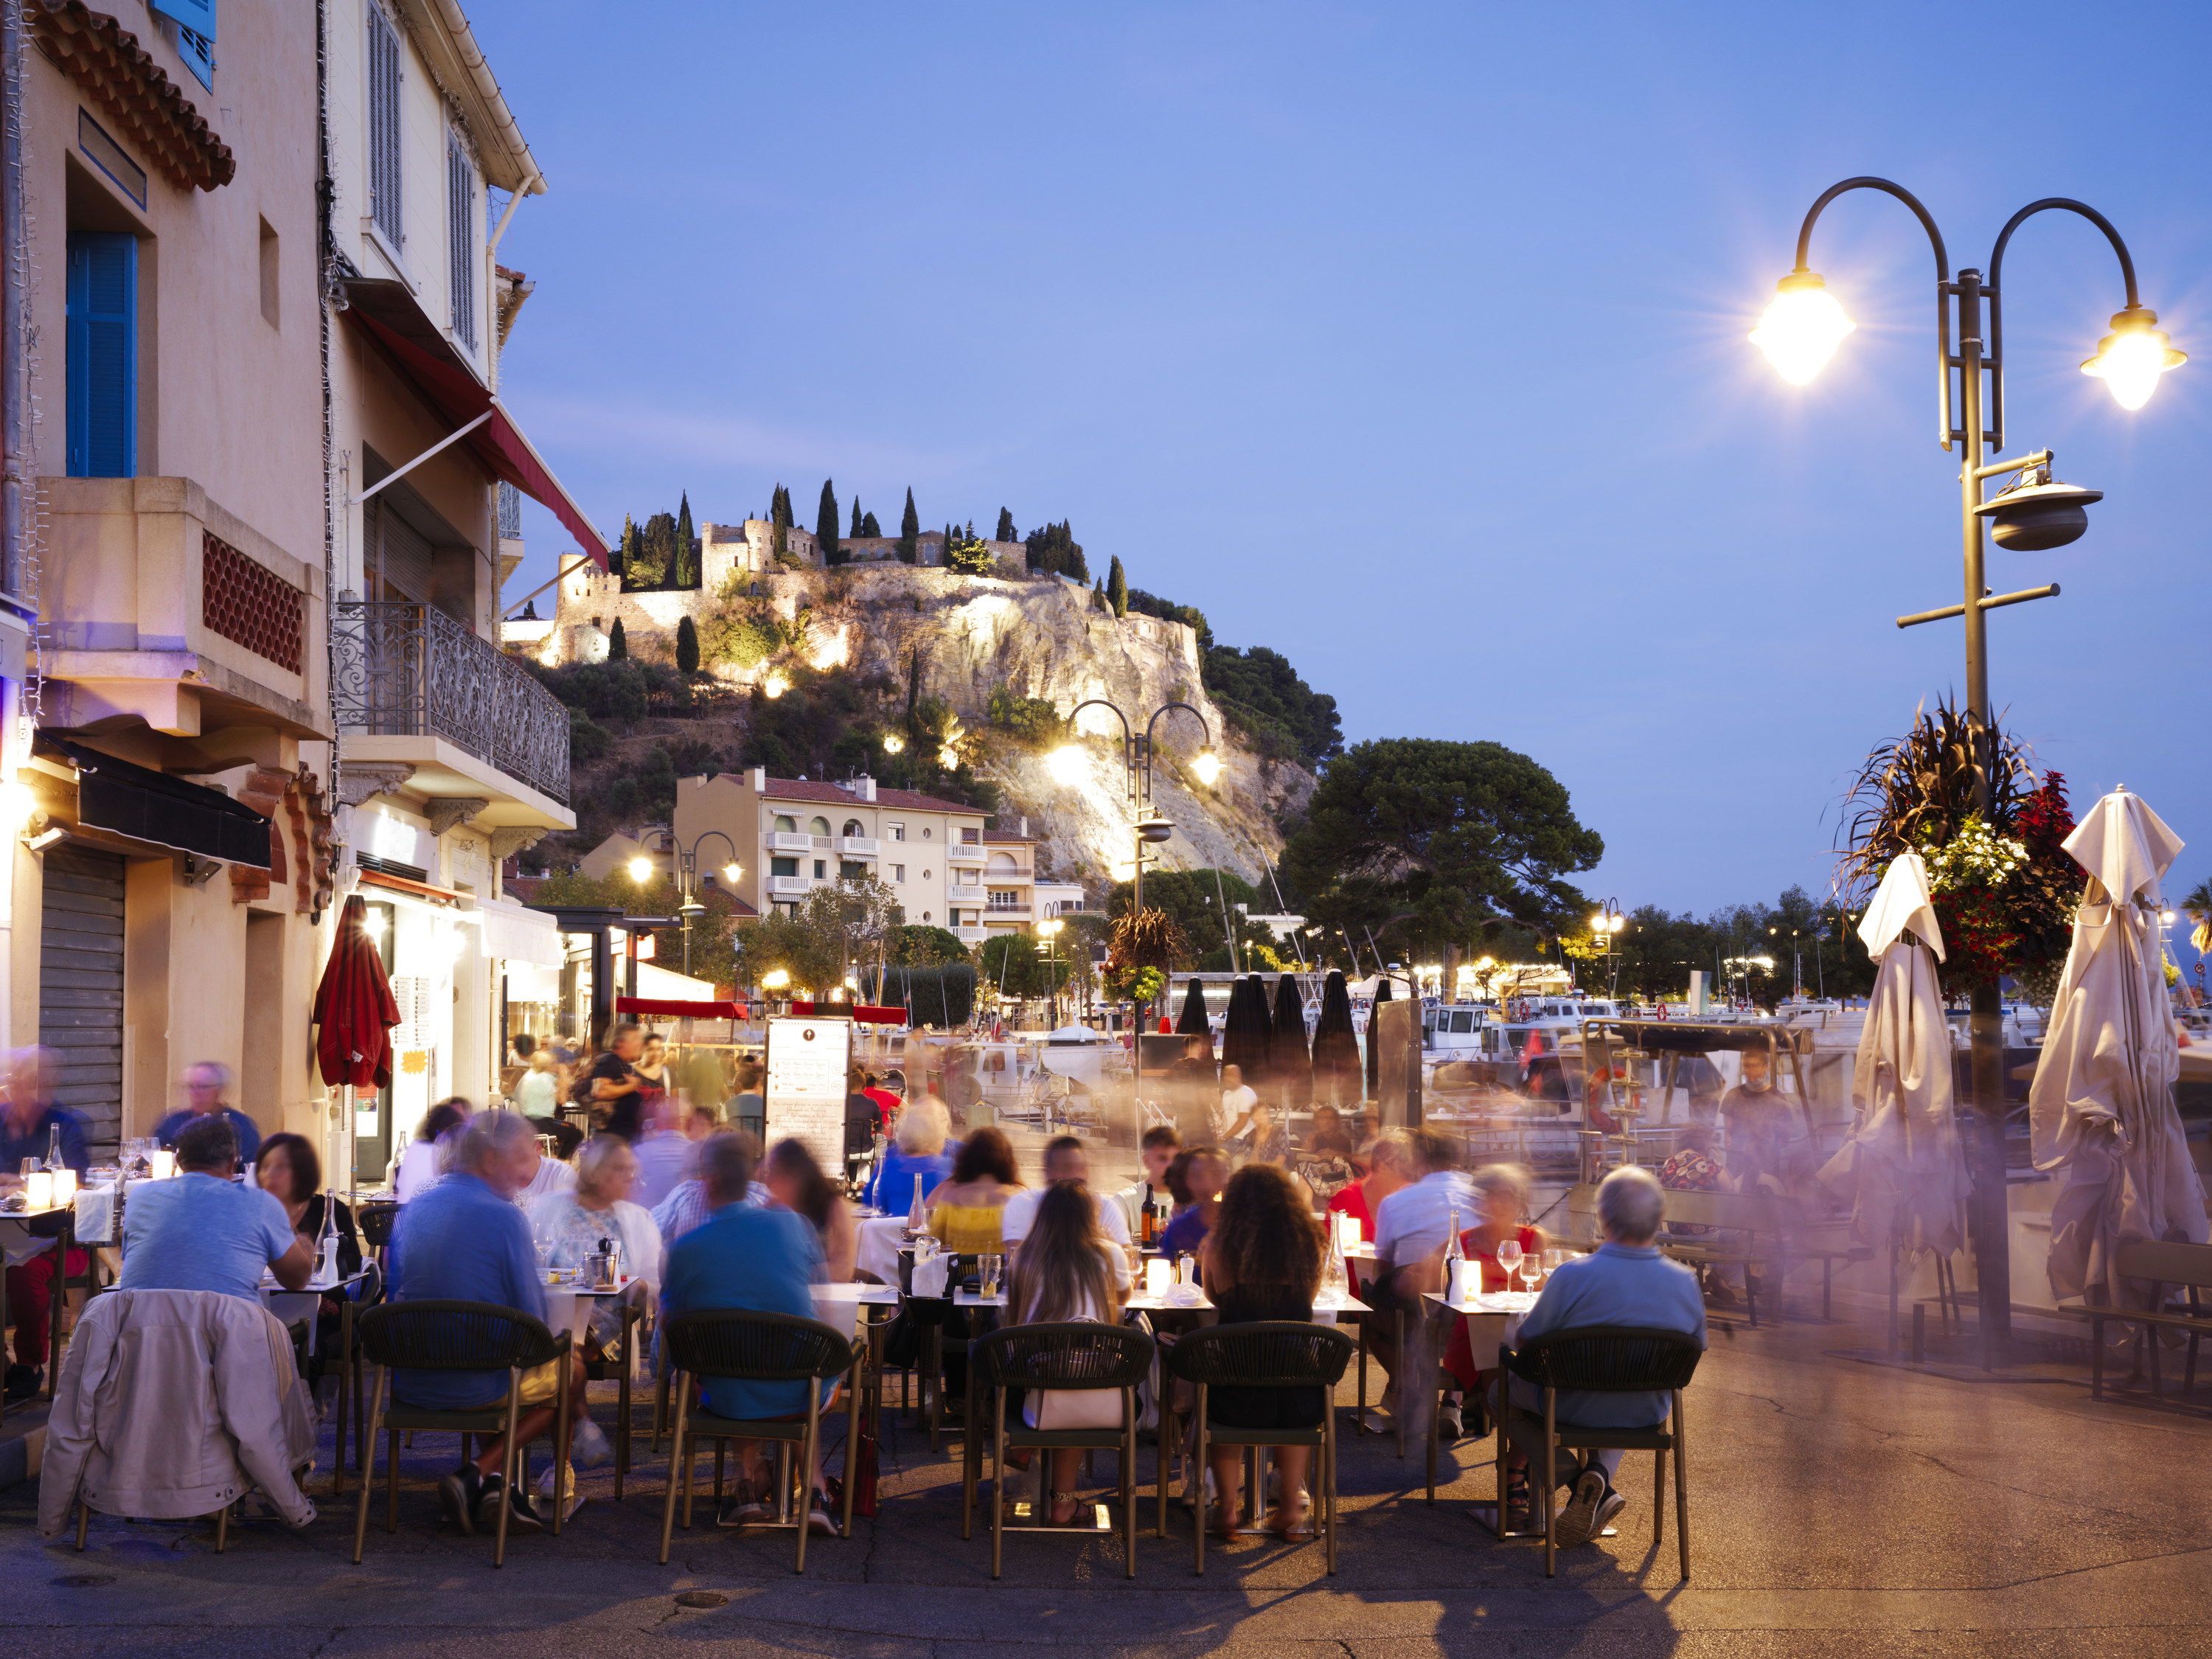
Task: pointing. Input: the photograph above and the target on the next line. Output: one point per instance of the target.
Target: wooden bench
(1769, 1234)
(2167, 1267)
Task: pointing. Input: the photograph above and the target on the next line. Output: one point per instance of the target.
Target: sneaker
(569, 1496)
(743, 1508)
(459, 1494)
(1578, 1523)
(821, 1519)
(1448, 1428)
(522, 1516)
(1613, 1503)
(589, 1447)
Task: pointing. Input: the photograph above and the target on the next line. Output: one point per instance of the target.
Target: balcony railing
(399, 670)
(859, 846)
(782, 841)
(791, 886)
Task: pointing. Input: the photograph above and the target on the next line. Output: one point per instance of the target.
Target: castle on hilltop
(590, 601)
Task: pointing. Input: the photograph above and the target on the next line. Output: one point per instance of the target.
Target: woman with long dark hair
(796, 1181)
(1065, 1271)
(1262, 1259)
(968, 1209)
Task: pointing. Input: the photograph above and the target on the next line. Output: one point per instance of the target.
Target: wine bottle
(54, 1145)
(1454, 1252)
(917, 1218)
(327, 1245)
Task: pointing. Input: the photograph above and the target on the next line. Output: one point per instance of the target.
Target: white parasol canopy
(2101, 1110)
(1902, 1166)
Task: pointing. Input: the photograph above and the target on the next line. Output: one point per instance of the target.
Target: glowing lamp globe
(641, 869)
(1066, 763)
(1802, 328)
(1208, 765)
(2130, 359)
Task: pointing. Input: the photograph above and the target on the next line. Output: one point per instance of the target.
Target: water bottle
(1334, 1280)
(1455, 1256)
(917, 1218)
(328, 1274)
(54, 1145)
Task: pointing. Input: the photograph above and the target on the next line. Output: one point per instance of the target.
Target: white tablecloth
(880, 1237)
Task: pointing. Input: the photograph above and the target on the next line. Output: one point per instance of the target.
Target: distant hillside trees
(1190, 615)
(1117, 588)
(825, 526)
(661, 555)
(1262, 693)
(1005, 532)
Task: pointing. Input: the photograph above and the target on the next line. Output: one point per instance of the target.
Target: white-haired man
(1625, 1281)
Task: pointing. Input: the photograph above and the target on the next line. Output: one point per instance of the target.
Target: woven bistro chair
(1043, 1358)
(455, 1336)
(1266, 1354)
(1608, 1359)
(737, 1345)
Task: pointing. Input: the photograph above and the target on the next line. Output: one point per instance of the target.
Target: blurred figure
(1067, 1270)
(1155, 1152)
(422, 1163)
(801, 1185)
(206, 1086)
(538, 1094)
(31, 1124)
(1066, 1163)
(916, 1154)
(1197, 1177)
(664, 1152)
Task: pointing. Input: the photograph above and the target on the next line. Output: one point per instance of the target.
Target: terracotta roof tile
(907, 799)
(133, 91)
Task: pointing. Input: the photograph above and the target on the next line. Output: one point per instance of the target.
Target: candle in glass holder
(1159, 1275)
(64, 1186)
(1347, 1230)
(39, 1190)
(161, 1164)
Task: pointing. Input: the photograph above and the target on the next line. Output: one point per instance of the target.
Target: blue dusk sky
(1409, 340)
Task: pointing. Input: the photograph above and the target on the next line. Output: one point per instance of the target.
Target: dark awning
(151, 806)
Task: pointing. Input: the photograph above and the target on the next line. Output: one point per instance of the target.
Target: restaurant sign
(807, 1062)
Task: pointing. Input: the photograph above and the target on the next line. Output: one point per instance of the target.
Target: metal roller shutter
(80, 986)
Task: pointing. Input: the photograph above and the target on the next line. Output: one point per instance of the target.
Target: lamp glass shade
(2129, 362)
(731, 872)
(1801, 331)
(1207, 766)
(641, 869)
(1066, 763)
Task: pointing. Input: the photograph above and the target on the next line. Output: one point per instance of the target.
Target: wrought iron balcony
(404, 669)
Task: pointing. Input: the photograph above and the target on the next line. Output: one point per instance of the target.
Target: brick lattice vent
(248, 605)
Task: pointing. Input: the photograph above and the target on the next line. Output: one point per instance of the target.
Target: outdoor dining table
(878, 1303)
(1493, 1321)
(61, 1243)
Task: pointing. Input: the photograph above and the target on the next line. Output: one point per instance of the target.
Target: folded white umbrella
(2101, 1110)
(1902, 1167)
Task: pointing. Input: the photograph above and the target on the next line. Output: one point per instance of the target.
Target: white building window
(898, 831)
(898, 872)
(383, 148)
(461, 237)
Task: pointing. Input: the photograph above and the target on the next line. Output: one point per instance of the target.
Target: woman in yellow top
(965, 1210)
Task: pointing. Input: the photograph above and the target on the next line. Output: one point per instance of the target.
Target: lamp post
(1136, 751)
(1050, 929)
(689, 908)
(1799, 333)
(1606, 925)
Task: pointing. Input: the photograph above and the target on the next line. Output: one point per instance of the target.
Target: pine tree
(1117, 588)
(687, 645)
(683, 568)
(910, 528)
(1007, 532)
(856, 531)
(1098, 599)
(617, 647)
(620, 562)
(825, 526)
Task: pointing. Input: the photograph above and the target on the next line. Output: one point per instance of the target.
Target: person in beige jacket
(173, 1404)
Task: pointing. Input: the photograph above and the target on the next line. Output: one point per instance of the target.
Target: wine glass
(1532, 1268)
(1509, 1258)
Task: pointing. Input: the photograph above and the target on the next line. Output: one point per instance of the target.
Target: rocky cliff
(1042, 637)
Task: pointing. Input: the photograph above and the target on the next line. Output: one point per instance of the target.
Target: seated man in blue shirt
(1625, 1281)
(202, 1231)
(205, 1085)
(765, 1261)
(464, 1240)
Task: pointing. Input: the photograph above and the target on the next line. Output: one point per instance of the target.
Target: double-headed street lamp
(1800, 331)
(1606, 927)
(1050, 930)
(1136, 750)
(643, 869)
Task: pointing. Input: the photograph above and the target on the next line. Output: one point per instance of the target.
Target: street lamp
(1067, 763)
(1799, 333)
(1605, 926)
(687, 879)
(1050, 928)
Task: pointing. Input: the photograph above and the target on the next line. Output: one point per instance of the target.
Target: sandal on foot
(1294, 1527)
(1053, 1513)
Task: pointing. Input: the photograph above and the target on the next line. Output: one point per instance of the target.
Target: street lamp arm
(1099, 702)
(1187, 710)
(1868, 182)
(1995, 359)
(702, 839)
(1942, 280)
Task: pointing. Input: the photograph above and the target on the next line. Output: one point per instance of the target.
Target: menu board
(807, 1062)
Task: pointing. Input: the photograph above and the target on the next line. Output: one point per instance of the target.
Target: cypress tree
(620, 564)
(687, 645)
(909, 527)
(1117, 588)
(1007, 532)
(778, 514)
(855, 529)
(870, 527)
(683, 568)
(1098, 599)
(825, 526)
(617, 647)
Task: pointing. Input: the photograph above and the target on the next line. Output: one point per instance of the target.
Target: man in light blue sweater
(1625, 1281)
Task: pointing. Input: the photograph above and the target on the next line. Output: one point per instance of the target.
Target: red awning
(859, 1013)
(663, 1009)
(498, 443)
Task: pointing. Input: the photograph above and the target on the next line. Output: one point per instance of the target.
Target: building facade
(252, 539)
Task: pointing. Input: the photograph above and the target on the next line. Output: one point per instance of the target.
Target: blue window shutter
(195, 20)
(103, 354)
